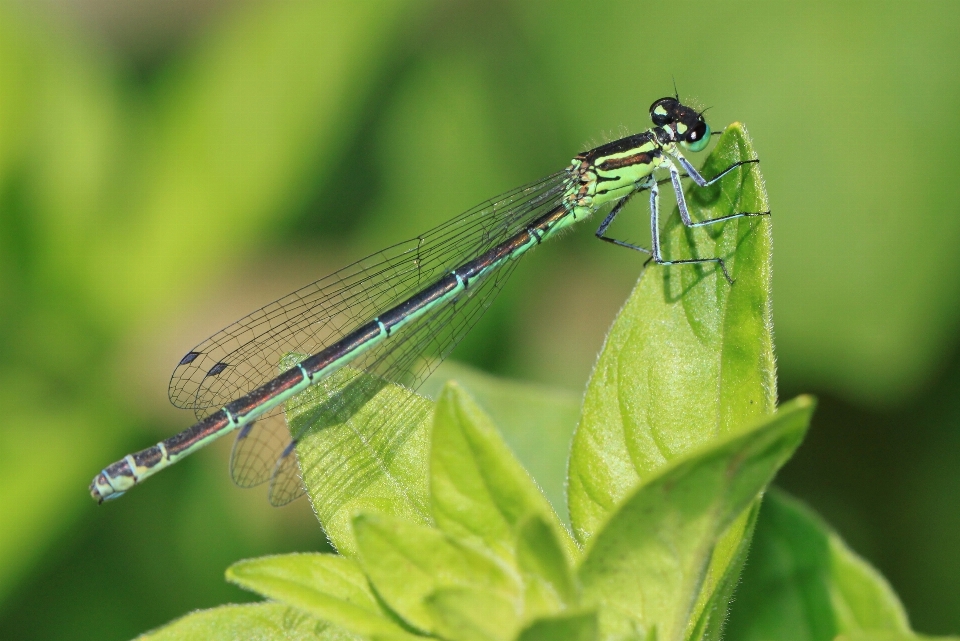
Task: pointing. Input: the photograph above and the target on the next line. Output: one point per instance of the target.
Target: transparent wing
(378, 430)
(243, 356)
(259, 346)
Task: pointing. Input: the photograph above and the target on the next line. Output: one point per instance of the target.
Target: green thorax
(615, 170)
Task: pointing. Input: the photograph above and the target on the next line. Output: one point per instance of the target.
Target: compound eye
(698, 137)
(664, 111)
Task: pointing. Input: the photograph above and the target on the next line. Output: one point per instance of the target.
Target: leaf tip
(803, 403)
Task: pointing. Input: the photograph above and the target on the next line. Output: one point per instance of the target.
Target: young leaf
(469, 614)
(261, 621)
(327, 586)
(690, 358)
(407, 563)
(647, 565)
(536, 421)
(364, 450)
(726, 563)
(478, 490)
(578, 626)
(548, 582)
(803, 582)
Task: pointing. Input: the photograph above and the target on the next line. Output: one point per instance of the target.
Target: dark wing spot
(216, 369)
(189, 358)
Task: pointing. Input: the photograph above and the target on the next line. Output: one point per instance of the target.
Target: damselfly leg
(652, 185)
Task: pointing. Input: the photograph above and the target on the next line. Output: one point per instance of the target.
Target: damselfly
(393, 316)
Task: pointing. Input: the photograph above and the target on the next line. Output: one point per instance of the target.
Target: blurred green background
(168, 166)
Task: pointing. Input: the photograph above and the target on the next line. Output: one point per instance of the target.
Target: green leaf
(469, 614)
(407, 563)
(563, 627)
(366, 449)
(536, 421)
(548, 582)
(259, 621)
(478, 490)
(729, 556)
(804, 583)
(690, 358)
(327, 586)
(647, 566)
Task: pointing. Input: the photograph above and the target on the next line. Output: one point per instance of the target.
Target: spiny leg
(655, 255)
(647, 184)
(702, 182)
(655, 235)
(601, 230)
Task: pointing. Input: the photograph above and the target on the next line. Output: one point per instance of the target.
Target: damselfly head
(688, 125)
(663, 111)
